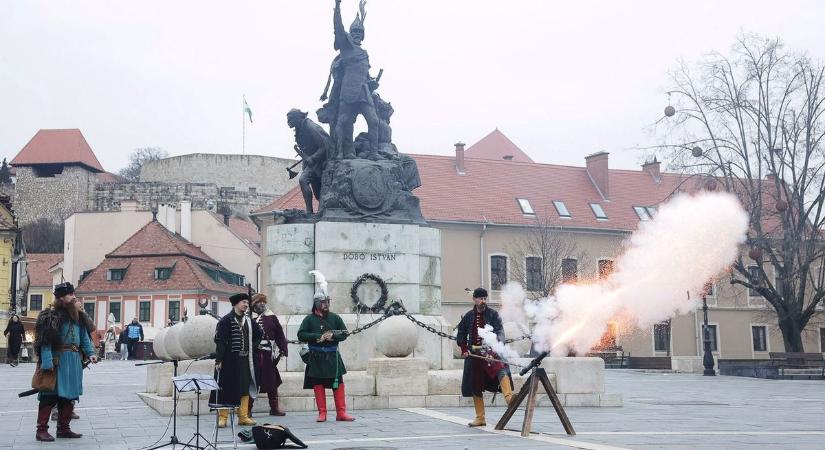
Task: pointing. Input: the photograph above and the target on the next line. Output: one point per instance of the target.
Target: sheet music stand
(196, 383)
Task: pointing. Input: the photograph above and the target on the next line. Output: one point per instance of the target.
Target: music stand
(196, 383)
(173, 440)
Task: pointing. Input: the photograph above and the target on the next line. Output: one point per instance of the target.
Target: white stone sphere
(198, 336)
(396, 337)
(512, 331)
(172, 343)
(159, 345)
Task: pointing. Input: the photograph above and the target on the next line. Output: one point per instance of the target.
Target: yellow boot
(479, 421)
(243, 412)
(506, 389)
(223, 415)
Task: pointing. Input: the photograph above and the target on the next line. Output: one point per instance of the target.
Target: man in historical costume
(61, 343)
(322, 330)
(236, 336)
(480, 375)
(314, 145)
(266, 358)
(352, 89)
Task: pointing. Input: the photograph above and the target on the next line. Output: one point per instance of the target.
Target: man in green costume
(323, 330)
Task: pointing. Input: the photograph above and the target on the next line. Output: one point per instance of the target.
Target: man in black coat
(236, 337)
(480, 375)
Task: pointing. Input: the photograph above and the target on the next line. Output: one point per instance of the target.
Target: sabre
(487, 358)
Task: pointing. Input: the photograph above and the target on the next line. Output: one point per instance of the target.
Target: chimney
(597, 170)
(186, 220)
(459, 158)
(170, 218)
(652, 167)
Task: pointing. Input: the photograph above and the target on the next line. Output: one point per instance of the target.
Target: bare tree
(752, 122)
(138, 158)
(537, 257)
(43, 236)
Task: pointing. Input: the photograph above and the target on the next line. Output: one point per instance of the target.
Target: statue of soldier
(314, 145)
(352, 90)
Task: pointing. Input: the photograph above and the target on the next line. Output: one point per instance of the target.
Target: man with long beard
(61, 341)
(266, 363)
(236, 336)
(480, 375)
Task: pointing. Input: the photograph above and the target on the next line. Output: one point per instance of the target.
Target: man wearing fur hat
(479, 375)
(323, 330)
(236, 336)
(266, 360)
(61, 343)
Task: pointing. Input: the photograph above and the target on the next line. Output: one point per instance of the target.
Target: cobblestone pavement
(660, 411)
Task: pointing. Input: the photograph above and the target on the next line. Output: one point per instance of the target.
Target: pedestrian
(14, 333)
(323, 330)
(479, 375)
(109, 340)
(122, 341)
(266, 360)
(134, 333)
(236, 336)
(61, 343)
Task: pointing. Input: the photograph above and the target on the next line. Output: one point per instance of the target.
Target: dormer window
(641, 211)
(526, 207)
(163, 273)
(561, 208)
(115, 274)
(598, 211)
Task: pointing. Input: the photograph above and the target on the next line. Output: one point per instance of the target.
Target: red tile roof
(58, 147)
(108, 177)
(497, 146)
(37, 268)
(489, 189)
(155, 240)
(151, 247)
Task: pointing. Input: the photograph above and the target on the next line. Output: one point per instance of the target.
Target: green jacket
(323, 364)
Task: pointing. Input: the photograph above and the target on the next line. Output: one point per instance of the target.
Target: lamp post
(707, 361)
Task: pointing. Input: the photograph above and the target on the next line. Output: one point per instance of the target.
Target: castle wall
(108, 196)
(54, 198)
(264, 174)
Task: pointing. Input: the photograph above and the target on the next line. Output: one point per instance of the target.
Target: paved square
(660, 411)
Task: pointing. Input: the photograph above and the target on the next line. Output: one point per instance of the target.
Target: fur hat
(479, 292)
(237, 298)
(258, 298)
(63, 289)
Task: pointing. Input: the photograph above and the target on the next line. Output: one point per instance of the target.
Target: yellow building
(8, 238)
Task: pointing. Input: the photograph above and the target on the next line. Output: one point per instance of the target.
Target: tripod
(529, 391)
(173, 440)
(197, 383)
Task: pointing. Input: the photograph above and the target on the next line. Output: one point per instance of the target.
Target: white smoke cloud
(692, 239)
(491, 340)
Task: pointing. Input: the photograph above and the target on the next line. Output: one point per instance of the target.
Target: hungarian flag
(247, 109)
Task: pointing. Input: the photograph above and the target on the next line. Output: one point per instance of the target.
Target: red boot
(341, 404)
(43, 413)
(64, 416)
(274, 409)
(320, 402)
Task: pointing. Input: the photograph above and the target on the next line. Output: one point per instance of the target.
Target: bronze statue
(313, 144)
(352, 88)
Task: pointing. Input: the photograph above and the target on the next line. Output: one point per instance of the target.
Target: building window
(561, 208)
(569, 270)
(535, 280)
(822, 340)
(714, 342)
(498, 272)
(526, 207)
(709, 289)
(114, 309)
(89, 307)
(605, 268)
(598, 211)
(641, 211)
(35, 302)
(214, 306)
(84, 275)
(760, 338)
(755, 278)
(145, 311)
(115, 274)
(778, 282)
(163, 273)
(661, 336)
(174, 310)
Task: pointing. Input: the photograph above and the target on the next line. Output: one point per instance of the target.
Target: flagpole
(243, 121)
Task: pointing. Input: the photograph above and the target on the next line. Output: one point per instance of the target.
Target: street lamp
(707, 361)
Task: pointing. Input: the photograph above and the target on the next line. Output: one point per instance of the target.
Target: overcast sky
(561, 79)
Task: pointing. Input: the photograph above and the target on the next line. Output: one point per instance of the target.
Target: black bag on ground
(271, 436)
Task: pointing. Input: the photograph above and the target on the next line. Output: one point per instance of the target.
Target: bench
(797, 360)
(612, 359)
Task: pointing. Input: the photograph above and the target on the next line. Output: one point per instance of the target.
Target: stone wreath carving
(358, 306)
